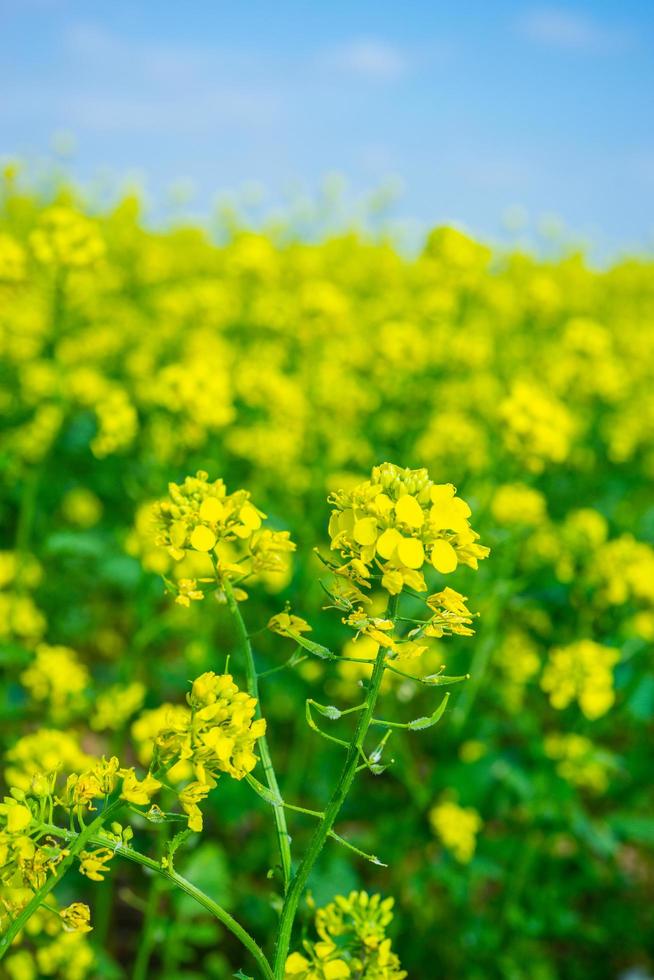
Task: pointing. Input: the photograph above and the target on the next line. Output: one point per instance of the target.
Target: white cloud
(570, 30)
(151, 85)
(368, 58)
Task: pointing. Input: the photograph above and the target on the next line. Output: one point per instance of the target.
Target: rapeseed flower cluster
(352, 942)
(581, 672)
(66, 239)
(291, 367)
(216, 735)
(58, 679)
(578, 760)
(200, 516)
(396, 522)
(457, 828)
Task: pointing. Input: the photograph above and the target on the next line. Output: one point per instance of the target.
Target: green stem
(147, 938)
(283, 838)
(332, 810)
(79, 841)
(180, 882)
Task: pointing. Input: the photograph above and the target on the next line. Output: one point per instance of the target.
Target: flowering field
(249, 491)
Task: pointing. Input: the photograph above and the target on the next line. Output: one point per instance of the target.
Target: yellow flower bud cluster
(623, 571)
(57, 677)
(516, 503)
(19, 616)
(538, 428)
(12, 260)
(117, 422)
(81, 507)
(352, 944)
(582, 672)
(116, 704)
(578, 761)
(518, 661)
(200, 516)
(457, 827)
(216, 735)
(43, 751)
(67, 239)
(146, 728)
(398, 520)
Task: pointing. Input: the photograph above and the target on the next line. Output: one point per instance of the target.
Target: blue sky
(475, 108)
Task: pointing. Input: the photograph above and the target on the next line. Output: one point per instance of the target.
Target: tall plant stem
(283, 838)
(149, 928)
(333, 808)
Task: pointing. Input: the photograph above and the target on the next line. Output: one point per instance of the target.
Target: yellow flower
(399, 520)
(17, 816)
(582, 672)
(76, 917)
(457, 828)
(57, 677)
(188, 591)
(516, 503)
(138, 791)
(218, 735)
(64, 237)
(578, 761)
(286, 624)
(94, 864)
(189, 797)
(352, 942)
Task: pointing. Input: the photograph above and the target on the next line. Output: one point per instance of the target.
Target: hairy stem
(332, 810)
(283, 838)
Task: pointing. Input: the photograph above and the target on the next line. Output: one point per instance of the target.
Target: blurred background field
(131, 357)
(288, 348)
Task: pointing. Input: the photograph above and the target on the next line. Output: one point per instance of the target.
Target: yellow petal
(211, 509)
(441, 492)
(388, 542)
(296, 964)
(365, 531)
(411, 552)
(202, 538)
(450, 514)
(383, 504)
(178, 534)
(336, 970)
(409, 511)
(18, 818)
(392, 581)
(443, 557)
(249, 516)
